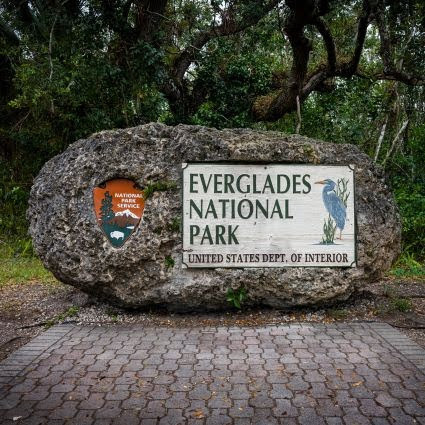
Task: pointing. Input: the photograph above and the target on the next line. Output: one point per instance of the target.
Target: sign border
(352, 167)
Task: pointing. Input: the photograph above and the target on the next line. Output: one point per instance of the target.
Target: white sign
(268, 215)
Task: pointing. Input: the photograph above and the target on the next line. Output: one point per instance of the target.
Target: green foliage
(236, 297)
(175, 225)
(13, 204)
(114, 318)
(79, 69)
(411, 201)
(169, 262)
(16, 248)
(338, 313)
(232, 79)
(160, 186)
(19, 266)
(112, 313)
(402, 305)
(71, 312)
(408, 266)
(396, 303)
(61, 92)
(329, 229)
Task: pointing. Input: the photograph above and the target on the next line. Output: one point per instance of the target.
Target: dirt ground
(26, 310)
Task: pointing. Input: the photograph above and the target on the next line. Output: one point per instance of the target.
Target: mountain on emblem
(118, 205)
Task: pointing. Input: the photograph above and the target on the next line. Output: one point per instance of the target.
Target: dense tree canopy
(345, 71)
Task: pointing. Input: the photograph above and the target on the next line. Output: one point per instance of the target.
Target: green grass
(18, 268)
(401, 304)
(338, 313)
(408, 266)
(71, 312)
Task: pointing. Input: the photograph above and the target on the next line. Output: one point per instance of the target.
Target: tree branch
(380, 140)
(8, 33)
(52, 103)
(350, 68)
(150, 14)
(118, 23)
(29, 18)
(385, 48)
(391, 71)
(313, 82)
(395, 142)
(126, 9)
(301, 13)
(324, 31)
(228, 27)
(299, 123)
(271, 108)
(403, 77)
(400, 76)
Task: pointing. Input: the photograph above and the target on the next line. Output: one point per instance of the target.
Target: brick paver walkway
(363, 373)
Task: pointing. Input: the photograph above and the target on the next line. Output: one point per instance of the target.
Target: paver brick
(342, 373)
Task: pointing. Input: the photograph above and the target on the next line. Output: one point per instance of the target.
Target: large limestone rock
(71, 244)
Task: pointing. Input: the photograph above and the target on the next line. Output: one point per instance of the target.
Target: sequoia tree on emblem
(119, 206)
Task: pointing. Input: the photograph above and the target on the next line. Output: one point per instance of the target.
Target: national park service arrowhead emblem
(119, 206)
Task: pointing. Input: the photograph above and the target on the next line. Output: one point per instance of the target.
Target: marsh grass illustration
(329, 229)
(342, 190)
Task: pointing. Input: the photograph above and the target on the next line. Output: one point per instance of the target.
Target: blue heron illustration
(333, 204)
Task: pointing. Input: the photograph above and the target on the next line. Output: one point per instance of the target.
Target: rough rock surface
(71, 244)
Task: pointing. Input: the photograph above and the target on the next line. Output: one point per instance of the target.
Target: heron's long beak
(320, 182)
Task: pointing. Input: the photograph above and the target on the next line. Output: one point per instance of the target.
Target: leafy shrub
(411, 202)
(401, 304)
(236, 297)
(407, 266)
